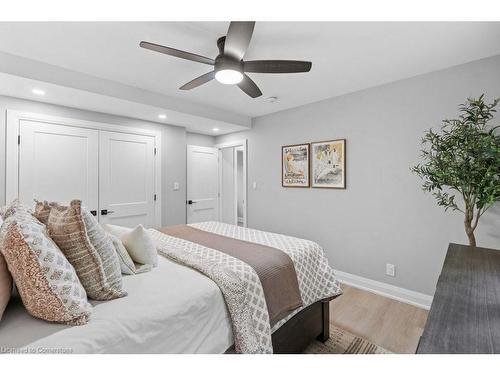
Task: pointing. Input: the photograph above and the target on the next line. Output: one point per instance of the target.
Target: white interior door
(127, 179)
(58, 163)
(202, 184)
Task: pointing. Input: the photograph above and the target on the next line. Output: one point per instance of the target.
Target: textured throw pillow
(42, 211)
(5, 283)
(12, 208)
(127, 265)
(88, 249)
(46, 281)
(138, 242)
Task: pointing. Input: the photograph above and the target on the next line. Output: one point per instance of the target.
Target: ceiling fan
(229, 67)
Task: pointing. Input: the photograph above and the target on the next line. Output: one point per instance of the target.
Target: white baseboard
(387, 290)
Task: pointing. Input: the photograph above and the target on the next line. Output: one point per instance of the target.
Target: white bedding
(171, 309)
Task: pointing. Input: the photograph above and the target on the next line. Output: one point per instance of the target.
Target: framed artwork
(295, 165)
(328, 164)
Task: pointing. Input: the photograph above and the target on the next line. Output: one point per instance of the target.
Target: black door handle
(105, 212)
(93, 212)
(190, 202)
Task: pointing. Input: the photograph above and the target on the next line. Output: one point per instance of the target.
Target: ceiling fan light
(228, 76)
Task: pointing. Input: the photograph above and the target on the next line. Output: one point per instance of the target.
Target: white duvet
(171, 309)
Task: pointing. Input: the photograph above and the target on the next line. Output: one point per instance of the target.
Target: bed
(172, 309)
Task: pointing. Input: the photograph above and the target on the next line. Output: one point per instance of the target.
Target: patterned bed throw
(240, 283)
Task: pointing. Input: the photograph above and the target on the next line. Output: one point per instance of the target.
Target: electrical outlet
(254, 185)
(176, 186)
(390, 270)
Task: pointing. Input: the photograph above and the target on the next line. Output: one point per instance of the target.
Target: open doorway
(232, 183)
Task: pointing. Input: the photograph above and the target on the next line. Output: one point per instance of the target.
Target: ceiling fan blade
(249, 87)
(277, 66)
(238, 38)
(177, 53)
(207, 77)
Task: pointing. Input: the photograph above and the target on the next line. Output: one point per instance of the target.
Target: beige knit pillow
(88, 249)
(42, 211)
(46, 281)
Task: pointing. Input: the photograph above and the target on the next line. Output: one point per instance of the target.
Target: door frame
(238, 143)
(13, 123)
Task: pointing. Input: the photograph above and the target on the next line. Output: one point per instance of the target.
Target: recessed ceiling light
(162, 116)
(272, 99)
(38, 92)
(215, 129)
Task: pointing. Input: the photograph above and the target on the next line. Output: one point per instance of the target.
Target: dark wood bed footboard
(312, 323)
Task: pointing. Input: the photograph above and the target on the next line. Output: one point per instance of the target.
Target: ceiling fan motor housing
(223, 62)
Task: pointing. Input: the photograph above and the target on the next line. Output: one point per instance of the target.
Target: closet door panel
(58, 163)
(126, 181)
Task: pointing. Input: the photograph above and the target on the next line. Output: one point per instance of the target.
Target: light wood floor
(393, 325)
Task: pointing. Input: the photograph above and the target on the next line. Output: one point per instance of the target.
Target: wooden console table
(465, 311)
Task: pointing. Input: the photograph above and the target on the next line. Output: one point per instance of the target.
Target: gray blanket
(274, 268)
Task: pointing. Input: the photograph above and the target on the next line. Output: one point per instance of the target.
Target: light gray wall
(174, 170)
(200, 140)
(383, 216)
(173, 147)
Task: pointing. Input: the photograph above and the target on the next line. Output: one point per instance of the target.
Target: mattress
(172, 309)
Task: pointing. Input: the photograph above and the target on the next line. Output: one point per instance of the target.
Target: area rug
(343, 342)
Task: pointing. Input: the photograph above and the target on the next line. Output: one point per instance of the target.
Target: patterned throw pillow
(127, 265)
(42, 211)
(46, 281)
(88, 249)
(12, 208)
(5, 283)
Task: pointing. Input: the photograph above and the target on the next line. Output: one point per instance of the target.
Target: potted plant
(462, 160)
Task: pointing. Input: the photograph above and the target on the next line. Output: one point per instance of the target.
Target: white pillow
(117, 230)
(138, 242)
(127, 265)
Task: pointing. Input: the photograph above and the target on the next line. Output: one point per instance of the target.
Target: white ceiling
(346, 57)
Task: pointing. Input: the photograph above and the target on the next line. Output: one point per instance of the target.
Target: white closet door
(202, 184)
(126, 180)
(58, 163)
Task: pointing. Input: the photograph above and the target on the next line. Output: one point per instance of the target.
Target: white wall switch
(254, 185)
(390, 270)
(176, 186)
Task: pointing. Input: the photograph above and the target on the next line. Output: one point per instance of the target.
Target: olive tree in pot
(463, 159)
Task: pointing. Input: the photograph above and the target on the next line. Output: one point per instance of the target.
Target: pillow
(88, 249)
(46, 281)
(117, 230)
(5, 283)
(127, 265)
(138, 242)
(42, 211)
(5, 280)
(12, 208)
